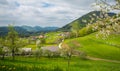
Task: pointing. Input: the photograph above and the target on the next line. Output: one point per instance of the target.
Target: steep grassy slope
(97, 47)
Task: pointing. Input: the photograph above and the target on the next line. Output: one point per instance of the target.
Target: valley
(90, 42)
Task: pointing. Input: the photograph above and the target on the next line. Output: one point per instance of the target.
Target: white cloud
(42, 12)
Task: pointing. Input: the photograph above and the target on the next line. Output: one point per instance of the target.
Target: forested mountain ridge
(84, 20)
(27, 30)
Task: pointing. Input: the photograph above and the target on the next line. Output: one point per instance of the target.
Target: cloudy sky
(42, 12)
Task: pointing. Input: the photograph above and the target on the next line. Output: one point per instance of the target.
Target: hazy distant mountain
(39, 29)
(50, 28)
(27, 30)
(86, 17)
(21, 31)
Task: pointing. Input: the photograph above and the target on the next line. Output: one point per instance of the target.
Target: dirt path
(100, 59)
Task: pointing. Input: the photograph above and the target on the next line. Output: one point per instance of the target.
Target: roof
(51, 48)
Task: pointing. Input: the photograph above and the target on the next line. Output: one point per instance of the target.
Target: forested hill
(27, 30)
(85, 19)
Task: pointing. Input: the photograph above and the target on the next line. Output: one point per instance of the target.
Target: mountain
(87, 17)
(39, 29)
(50, 28)
(27, 30)
(3, 31)
(21, 31)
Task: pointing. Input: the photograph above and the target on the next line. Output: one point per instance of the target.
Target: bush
(83, 55)
(56, 54)
(86, 31)
(38, 53)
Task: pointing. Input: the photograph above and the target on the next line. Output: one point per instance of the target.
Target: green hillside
(97, 47)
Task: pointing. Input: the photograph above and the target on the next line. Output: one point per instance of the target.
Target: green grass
(52, 37)
(97, 47)
(56, 64)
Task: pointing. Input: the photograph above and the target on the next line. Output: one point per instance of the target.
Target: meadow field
(59, 35)
(90, 45)
(56, 64)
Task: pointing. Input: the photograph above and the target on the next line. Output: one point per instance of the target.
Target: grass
(97, 47)
(57, 64)
(52, 37)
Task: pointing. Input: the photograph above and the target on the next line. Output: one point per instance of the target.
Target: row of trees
(11, 42)
(108, 25)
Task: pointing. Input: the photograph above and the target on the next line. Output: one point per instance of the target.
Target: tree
(67, 51)
(108, 25)
(12, 39)
(38, 51)
(2, 45)
(39, 43)
(75, 28)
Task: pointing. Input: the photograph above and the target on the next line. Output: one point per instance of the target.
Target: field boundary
(101, 59)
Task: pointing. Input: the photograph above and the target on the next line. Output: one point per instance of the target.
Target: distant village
(37, 41)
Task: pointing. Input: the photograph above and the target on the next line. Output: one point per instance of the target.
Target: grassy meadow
(56, 64)
(77, 46)
(92, 46)
(97, 47)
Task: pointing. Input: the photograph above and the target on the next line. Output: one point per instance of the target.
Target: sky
(42, 13)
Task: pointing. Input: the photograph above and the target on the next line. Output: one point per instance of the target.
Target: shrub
(83, 55)
(38, 53)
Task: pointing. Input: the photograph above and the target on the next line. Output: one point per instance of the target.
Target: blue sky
(42, 12)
